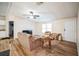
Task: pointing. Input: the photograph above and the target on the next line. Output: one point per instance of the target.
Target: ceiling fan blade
(36, 15)
(31, 15)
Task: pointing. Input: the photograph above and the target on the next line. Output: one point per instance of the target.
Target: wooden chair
(47, 34)
(56, 36)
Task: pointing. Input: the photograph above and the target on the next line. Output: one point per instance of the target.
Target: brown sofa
(24, 44)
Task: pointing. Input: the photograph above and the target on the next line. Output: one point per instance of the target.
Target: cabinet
(2, 26)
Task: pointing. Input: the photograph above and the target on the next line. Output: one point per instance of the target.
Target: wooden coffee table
(46, 39)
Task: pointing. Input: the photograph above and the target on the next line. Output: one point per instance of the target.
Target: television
(27, 31)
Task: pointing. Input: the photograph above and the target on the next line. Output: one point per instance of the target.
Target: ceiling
(3, 8)
(48, 11)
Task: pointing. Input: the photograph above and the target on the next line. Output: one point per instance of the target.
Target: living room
(39, 17)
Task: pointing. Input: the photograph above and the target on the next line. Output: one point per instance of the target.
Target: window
(46, 27)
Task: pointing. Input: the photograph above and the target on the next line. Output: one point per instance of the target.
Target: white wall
(23, 24)
(78, 32)
(59, 26)
(70, 26)
(20, 24)
(38, 28)
(8, 18)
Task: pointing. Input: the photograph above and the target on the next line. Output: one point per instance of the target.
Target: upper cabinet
(2, 23)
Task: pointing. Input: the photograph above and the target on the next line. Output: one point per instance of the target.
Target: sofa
(24, 44)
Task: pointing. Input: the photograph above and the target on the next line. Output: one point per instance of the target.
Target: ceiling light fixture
(32, 15)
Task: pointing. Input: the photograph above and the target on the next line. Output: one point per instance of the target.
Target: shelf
(2, 17)
(2, 29)
(2, 25)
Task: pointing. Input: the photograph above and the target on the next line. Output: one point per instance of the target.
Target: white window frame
(46, 27)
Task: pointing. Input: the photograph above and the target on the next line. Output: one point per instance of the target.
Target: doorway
(11, 29)
(70, 30)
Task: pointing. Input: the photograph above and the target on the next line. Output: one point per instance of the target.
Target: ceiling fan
(32, 15)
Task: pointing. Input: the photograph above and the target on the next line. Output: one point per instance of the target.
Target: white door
(70, 30)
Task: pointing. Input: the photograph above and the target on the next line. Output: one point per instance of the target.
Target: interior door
(11, 29)
(70, 30)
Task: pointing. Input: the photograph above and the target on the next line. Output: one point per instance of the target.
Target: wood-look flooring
(59, 48)
(4, 45)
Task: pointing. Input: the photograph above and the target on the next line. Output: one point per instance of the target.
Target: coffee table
(46, 39)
